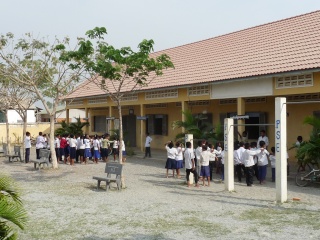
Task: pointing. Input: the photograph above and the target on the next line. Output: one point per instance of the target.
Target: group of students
(200, 161)
(249, 160)
(69, 148)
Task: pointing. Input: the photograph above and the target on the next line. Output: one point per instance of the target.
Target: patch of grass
(278, 217)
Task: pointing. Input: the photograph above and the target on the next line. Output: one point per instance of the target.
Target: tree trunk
(52, 148)
(120, 132)
(123, 184)
(24, 134)
(7, 130)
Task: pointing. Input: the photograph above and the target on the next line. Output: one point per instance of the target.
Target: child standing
(179, 158)
(190, 164)
(96, 149)
(27, 145)
(73, 148)
(205, 169)
(263, 162)
(197, 159)
(247, 159)
(171, 158)
(222, 165)
(87, 150)
(272, 158)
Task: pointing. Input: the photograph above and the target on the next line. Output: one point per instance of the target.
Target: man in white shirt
(27, 145)
(39, 144)
(247, 159)
(190, 164)
(148, 146)
(238, 161)
(264, 138)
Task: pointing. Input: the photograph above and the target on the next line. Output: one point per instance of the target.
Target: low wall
(16, 131)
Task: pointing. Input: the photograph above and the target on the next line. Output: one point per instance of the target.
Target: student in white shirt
(87, 150)
(57, 146)
(73, 148)
(124, 153)
(171, 158)
(115, 149)
(212, 159)
(27, 145)
(263, 163)
(204, 159)
(190, 164)
(148, 146)
(247, 159)
(179, 158)
(96, 149)
(264, 138)
(197, 159)
(238, 161)
(222, 165)
(39, 144)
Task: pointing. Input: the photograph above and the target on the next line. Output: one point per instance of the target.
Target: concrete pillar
(241, 110)
(189, 138)
(183, 109)
(281, 149)
(110, 122)
(67, 116)
(228, 153)
(88, 120)
(142, 128)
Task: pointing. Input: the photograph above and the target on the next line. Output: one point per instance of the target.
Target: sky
(169, 23)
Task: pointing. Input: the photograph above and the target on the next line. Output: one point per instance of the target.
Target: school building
(240, 73)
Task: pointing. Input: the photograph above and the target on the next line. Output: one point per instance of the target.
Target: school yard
(64, 204)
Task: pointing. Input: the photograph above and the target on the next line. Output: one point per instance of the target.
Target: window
(157, 124)
(198, 90)
(100, 124)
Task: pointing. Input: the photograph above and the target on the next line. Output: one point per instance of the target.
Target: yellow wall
(16, 131)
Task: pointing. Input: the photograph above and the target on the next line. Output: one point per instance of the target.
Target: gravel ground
(64, 204)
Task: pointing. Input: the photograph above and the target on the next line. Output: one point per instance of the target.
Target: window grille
(75, 102)
(199, 103)
(172, 93)
(256, 100)
(198, 90)
(130, 97)
(228, 101)
(159, 105)
(304, 97)
(97, 101)
(304, 80)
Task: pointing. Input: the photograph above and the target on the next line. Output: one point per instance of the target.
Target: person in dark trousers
(27, 145)
(148, 146)
(190, 164)
(247, 159)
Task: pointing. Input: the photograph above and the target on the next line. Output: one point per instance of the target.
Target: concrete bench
(44, 159)
(12, 156)
(114, 174)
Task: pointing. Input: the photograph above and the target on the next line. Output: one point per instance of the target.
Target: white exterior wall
(247, 88)
(14, 117)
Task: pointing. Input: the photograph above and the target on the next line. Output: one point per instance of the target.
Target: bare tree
(41, 68)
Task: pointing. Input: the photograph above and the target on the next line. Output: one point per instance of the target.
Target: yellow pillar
(111, 125)
(183, 109)
(88, 120)
(142, 128)
(67, 115)
(241, 110)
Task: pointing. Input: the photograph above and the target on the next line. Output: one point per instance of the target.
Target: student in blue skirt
(171, 158)
(96, 149)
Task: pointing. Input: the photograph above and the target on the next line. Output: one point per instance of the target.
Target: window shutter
(150, 119)
(165, 125)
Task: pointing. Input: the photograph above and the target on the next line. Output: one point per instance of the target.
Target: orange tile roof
(287, 45)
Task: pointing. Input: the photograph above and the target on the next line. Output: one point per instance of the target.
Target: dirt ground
(64, 204)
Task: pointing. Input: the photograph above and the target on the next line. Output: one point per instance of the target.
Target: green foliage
(195, 124)
(309, 151)
(12, 212)
(72, 128)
